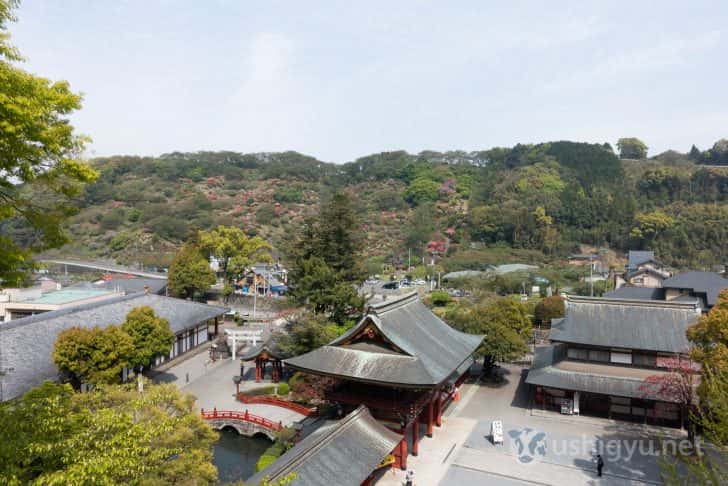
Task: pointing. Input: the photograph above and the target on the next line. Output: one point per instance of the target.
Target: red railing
(277, 402)
(244, 416)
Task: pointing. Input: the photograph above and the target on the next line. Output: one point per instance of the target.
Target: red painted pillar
(415, 436)
(430, 407)
(403, 452)
(438, 412)
(257, 371)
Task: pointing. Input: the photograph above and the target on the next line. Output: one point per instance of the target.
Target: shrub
(270, 455)
(265, 390)
(283, 389)
(440, 298)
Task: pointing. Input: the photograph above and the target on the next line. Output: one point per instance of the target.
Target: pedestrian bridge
(244, 423)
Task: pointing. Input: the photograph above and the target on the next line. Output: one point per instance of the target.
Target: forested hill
(529, 202)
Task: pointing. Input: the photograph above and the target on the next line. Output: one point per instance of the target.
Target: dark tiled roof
(708, 283)
(636, 293)
(270, 346)
(631, 324)
(340, 453)
(181, 314)
(428, 350)
(549, 369)
(636, 258)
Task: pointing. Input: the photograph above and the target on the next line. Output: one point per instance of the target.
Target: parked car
(391, 285)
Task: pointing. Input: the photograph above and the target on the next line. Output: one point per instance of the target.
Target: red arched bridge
(244, 423)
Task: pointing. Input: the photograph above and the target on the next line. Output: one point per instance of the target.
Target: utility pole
(409, 258)
(591, 276)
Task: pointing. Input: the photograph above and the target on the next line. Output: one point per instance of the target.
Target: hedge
(283, 388)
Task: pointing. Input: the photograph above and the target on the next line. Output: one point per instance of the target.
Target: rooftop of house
(181, 314)
(636, 258)
(708, 283)
(636, 293)
(68, 296)
(649, 325)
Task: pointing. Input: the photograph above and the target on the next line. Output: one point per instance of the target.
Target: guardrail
(277, 402)
(244, 416)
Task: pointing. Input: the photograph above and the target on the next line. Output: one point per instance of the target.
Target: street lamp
(237, 379)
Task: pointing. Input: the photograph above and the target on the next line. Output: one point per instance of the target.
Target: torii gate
(236, 335)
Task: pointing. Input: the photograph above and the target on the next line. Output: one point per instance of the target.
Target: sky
(339, 80)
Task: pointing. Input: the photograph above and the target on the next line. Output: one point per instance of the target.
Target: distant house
(608, 356)
(643, 270)
(26, 344)
(265, 279)
(702, 287)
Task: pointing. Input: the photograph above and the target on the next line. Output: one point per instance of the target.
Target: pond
(235, 455)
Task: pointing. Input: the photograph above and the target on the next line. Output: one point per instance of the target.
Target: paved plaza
(212, 384)
(541, 448)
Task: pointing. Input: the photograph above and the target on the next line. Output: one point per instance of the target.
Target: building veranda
(402, 362)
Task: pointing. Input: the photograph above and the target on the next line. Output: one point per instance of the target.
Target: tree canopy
(190, 273)
(150, 334)
(234, 250)
(93, 355)
(99, 354)
(40, 167)
(632, 148)
(111, 435)
(504, 323)
(328, 261)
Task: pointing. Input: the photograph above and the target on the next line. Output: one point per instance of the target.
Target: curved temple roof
(269, 347)
(397, 342)
(340, 453)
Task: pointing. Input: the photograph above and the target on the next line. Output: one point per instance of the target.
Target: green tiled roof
(66, 296)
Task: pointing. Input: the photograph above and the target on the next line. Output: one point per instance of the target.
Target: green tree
(709, 335)
(112, 435)
(324, 291)
(93, 355)
(335, 236)
(40, 168)
(234, 250)
(306, 332)
(150, 334)
(631, 148)
(422, 190)
(190, 272)
(504, 323)
(549, 308)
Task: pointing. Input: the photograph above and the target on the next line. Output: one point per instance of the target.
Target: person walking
(600, 465)
(409, 478)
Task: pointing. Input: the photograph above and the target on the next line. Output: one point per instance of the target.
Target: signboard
(496, 431)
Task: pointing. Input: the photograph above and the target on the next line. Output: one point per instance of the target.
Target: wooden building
(401, 361)
(610, 357)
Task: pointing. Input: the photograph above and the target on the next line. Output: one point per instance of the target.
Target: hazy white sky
(339, 80)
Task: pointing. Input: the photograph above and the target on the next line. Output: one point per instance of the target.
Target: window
(620, 357)
(640, 359)
(598, 355)
(578, 353)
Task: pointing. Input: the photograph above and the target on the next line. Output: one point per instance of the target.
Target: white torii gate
(251, 337)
